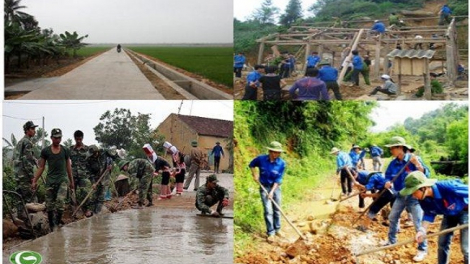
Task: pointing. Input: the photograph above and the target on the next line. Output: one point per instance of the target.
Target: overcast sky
(243, 9)
(138, 21)
(393, 112)
(84, 115)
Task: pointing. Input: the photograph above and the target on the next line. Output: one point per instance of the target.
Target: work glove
(225, 202)
(420, 235)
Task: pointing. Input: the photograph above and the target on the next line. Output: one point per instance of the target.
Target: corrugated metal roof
(412, 54)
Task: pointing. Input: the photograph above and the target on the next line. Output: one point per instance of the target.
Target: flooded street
(151, 235)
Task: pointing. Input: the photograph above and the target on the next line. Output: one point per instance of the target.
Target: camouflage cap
(56, 133)
(29, 125)
(123, 163)
(212, 178)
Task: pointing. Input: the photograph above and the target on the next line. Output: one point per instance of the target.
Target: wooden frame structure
(338, 41)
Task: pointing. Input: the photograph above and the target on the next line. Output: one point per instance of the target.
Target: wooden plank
(208, 215)
(260, 52)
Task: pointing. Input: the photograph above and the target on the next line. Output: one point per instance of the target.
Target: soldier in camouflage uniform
(59, 175)
(100, 162)
(209, 194)
(141, 170)
(78, 156)
(24, 162)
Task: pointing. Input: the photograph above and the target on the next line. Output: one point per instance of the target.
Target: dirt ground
(334, 240)
(410, 86)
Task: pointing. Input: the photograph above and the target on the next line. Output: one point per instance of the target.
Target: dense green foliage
(308, 131)
(245, 34)
(122, 129)
(436, 88)
(27, 44)
(292, 13)
(214, 63)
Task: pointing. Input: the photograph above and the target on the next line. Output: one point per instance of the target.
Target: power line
(20, 118)
(57, 103)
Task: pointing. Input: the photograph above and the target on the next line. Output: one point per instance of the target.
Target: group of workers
(404, 185)
(74, 173)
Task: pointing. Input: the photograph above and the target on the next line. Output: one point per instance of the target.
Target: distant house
(180, 130)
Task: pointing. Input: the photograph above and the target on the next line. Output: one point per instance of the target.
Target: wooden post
(377, 58)
(386, 60)
(307, 53)
(399, 77)
(356, 38)
(320, 47)
(260, 52)
(427, 80)
(452, 56)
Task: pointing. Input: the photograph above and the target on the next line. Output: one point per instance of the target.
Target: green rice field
(214, 63)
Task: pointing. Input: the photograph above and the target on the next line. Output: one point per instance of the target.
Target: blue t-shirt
(312, 60)
(217, 151)
(239, 61)
(357, 62)
(253, 77)
(446, 10)
(376, 151)
(450, 198)
(269, 172)
(343, 159)
(396, 165)
(328, 73)
(379, 27)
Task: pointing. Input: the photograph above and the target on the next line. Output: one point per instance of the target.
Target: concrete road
(109, 76)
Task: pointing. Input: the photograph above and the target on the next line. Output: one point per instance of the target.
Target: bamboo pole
(377, 58)
(356, 39)
(427, 81)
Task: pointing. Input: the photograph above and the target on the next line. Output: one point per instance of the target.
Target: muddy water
(155, 235)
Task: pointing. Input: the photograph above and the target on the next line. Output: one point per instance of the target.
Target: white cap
(385, 76)
(375, 21)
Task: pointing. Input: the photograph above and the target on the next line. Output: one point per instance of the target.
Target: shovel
(332, 194)
(114, 209)
(280, 210)
(299, 246)
(89, 194)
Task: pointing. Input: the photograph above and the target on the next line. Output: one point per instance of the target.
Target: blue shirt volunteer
(270, 172)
